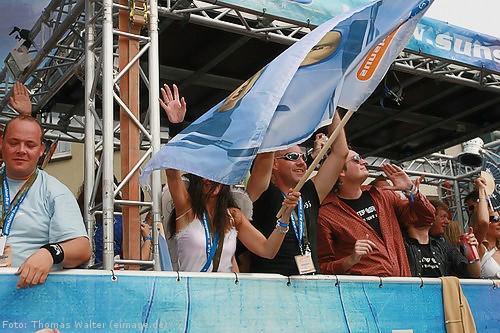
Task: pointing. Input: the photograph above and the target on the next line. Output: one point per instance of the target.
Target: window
(63, 150)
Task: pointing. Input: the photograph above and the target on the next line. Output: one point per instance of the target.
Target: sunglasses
(293, 156)
(356, 158)
(494, 219)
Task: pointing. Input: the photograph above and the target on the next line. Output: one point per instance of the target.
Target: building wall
(69, 170)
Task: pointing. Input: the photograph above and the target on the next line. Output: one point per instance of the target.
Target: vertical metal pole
(154, 121)
(89, 148)
(107, 115)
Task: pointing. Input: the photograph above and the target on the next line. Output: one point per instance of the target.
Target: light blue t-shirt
(48, 214)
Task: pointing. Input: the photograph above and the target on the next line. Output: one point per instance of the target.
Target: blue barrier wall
(158, 302)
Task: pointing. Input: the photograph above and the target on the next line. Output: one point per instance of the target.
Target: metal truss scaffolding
(58, 44)
(452, 179)
(81, 38)
(59, 48)
(132, 17)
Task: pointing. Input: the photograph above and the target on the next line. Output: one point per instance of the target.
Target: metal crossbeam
(446, 70)
(59, 52)
(58, 46)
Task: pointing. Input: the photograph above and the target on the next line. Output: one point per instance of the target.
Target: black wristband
(56, 251)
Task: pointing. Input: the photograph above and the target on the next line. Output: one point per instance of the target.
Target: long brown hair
(199, 200)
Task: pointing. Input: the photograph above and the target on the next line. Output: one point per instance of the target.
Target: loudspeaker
(471, 156)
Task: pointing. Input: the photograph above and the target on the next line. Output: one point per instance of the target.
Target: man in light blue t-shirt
(41, 224)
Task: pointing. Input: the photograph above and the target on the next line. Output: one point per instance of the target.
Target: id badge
(305, 263)
(3, 242)
(6, 257)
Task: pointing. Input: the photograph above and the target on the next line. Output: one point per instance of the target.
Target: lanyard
(210, 247)
(299, 226)
(9, 209)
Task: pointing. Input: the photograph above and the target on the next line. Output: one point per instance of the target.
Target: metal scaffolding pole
(107, 154)
(89, 148)
(154, 121)
(122, 87)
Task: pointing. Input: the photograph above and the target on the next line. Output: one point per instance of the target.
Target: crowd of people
(333, 225)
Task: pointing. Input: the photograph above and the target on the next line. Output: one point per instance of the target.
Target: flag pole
(318, 158)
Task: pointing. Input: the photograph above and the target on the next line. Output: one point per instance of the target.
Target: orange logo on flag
(371, 62)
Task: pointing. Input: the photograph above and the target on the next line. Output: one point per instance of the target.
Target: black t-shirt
(365, 208)
(430, 266)
(264, 219)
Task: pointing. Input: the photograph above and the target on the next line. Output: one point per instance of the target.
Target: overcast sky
(477, 15)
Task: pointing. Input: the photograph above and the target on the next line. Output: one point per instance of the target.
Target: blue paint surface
(158, 302)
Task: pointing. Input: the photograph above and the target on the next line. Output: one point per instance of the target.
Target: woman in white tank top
(490, 260)
(207, 219)
(488, 231)
(207, 223)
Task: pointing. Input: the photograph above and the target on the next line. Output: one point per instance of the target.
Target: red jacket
(339, 226)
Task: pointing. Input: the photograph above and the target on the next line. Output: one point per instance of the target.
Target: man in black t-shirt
(264, 219)
(429, 257)
(365, 208)
(275, 174)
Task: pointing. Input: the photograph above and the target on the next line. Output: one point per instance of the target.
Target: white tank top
(489, 267)
(191, 248)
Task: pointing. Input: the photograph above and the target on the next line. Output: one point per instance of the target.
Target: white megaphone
(471, 155)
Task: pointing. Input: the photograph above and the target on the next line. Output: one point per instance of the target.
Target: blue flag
(365, 76)
(286, 101)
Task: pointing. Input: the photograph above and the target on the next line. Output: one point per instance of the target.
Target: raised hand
(20, 99)
(174, 106)
(319, 142)
(398, 177)
(419, 180)
(471, 238)
(480, 183)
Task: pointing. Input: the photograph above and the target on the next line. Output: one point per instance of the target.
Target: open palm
(20, 99)
(174, 106)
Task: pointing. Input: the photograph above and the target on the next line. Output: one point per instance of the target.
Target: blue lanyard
(298, 226)
(10, 213)
(210, 247)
